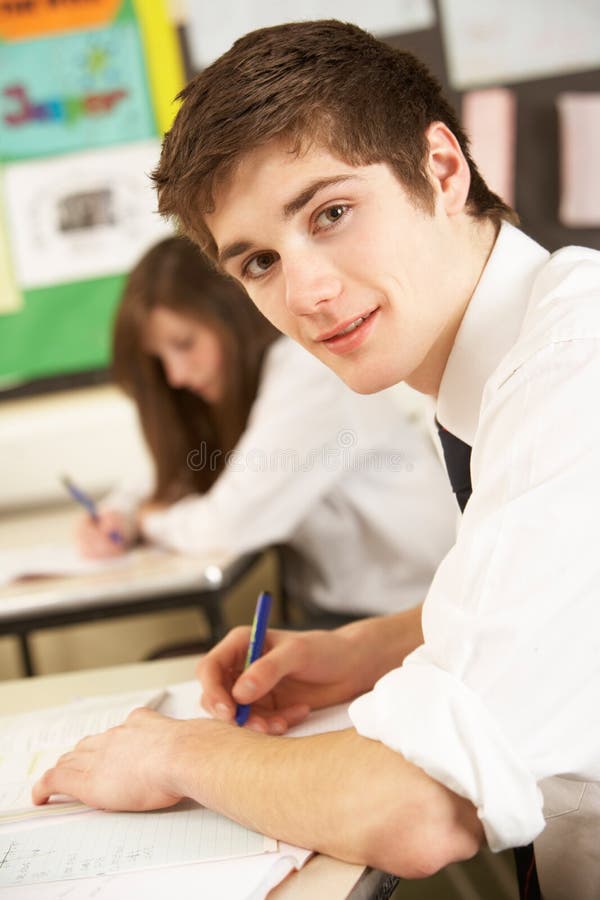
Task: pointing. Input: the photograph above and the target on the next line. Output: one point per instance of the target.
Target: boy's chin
(369, 382)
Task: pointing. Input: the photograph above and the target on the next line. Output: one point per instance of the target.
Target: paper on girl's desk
(53, 559)
(32, 742)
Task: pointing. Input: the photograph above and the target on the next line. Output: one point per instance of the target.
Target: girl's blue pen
(88, 504)
(255, 648)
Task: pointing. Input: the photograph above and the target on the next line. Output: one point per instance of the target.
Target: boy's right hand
(298, 672)
(93, 536)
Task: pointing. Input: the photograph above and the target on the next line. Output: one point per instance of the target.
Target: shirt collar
(489, 328)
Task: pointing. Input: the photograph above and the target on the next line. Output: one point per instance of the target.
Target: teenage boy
(326, 173)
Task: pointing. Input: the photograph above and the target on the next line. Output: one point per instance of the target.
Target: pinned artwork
(88, 89)
(22, 19)
(83, 215)
(489, 118)
(579, 122)
(503, 41)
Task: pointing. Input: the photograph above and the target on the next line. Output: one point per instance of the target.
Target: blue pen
(88, 504)
(255, 648)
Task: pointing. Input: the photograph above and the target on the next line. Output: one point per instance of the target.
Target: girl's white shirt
(351, 485)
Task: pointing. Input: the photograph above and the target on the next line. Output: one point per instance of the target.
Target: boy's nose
(309, 283)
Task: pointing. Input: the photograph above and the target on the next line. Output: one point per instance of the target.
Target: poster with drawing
(86, 89)
(82, 215)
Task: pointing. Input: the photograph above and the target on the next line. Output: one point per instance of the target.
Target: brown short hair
(175, 275)
(322, 82)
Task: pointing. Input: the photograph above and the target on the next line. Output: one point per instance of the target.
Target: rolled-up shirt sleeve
(504, 691)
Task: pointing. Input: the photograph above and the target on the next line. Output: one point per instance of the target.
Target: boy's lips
(345, 327)
(345, 339)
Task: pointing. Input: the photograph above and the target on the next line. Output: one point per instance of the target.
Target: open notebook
(113, 855)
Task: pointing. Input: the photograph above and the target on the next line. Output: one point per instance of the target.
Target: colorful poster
(32, 18)
(84, 215)
(84, 89)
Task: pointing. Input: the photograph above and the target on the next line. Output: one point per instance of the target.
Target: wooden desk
(320, 877)
(154, 580)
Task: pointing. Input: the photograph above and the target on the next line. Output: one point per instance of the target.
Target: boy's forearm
(337, 793)
(384, 642)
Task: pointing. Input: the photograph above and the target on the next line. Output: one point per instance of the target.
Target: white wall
(91, 435)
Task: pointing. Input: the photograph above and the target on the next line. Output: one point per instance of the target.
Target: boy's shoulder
(564, 305)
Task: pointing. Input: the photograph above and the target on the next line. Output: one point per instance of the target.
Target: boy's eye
(259, 264)
(331, 215)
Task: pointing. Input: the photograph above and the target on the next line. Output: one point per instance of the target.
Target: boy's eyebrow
(306, 194)
(232, 250)
(290, 209)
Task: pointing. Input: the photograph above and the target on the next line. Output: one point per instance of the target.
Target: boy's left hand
(129, 767)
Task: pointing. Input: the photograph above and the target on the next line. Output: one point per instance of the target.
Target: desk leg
(25, 654)
(214, 613)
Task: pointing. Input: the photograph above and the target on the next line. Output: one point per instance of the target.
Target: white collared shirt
(351, 485)
(505, 690)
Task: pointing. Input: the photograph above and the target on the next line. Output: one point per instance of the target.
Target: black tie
(457, 456)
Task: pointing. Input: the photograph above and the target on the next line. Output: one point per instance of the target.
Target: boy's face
(339, 258)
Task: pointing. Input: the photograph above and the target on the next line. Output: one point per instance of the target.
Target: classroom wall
(92, 435)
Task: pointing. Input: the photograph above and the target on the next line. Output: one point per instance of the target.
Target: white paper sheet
(579, 120)
(109, 843)
(246, 878)
(213, 27)
(53, 559)
(500, 41)
(82, 215)
(183, 701)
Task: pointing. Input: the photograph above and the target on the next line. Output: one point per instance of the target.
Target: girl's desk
(149, 580)
(320, 877)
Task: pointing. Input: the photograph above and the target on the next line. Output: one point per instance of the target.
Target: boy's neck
(476, 244)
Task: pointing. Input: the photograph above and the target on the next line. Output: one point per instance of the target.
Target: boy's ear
(447, 168)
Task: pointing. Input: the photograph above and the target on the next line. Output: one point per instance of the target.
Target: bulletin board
(86, 92)
(88, 87)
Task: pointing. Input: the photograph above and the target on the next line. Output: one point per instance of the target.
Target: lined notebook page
(109, 843)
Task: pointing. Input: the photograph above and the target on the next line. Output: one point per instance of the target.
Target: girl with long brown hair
(255, 443)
